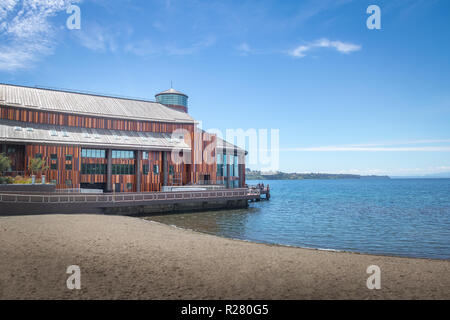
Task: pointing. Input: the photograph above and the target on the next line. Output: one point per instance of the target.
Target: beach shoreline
(270, 244)
(132, 258)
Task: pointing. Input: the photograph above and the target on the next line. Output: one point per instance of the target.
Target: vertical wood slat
(189, 173)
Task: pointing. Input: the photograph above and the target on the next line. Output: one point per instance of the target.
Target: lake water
(401, 217)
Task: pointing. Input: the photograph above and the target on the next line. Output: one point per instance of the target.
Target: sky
(344, 98)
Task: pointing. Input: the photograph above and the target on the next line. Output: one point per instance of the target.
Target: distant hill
(258, 175)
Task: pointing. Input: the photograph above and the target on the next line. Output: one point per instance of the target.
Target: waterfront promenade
(125, 203)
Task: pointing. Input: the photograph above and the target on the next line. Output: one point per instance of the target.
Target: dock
(260, 190)
(12, 203)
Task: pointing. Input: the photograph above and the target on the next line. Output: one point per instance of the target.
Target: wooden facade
(67, 166)
(71, 120)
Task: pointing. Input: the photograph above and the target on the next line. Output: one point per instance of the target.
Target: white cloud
(5, 7)
(141, 48)
(425, 171)
(244, 48)
(26, 33)
(97, 38)
(194, 48)
(372, 149)
(342, 47)
(147, 48)
(397, 146)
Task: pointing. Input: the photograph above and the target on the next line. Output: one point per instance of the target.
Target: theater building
(115, 144)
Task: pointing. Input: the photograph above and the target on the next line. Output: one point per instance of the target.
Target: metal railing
(13, 173)
(122, 197)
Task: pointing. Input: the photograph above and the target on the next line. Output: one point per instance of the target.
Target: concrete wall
(178, 207)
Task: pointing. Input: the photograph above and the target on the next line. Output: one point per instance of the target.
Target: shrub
(6, 180)
(5, 163)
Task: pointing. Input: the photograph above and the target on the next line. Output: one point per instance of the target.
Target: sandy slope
(129, 258)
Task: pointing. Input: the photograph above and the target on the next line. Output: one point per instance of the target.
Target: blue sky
(345, 99)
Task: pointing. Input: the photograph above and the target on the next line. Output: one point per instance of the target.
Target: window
(145, 169)
(68, 159)
(69, 183)
(222, 165)
(122, 154)
(93, 168)
(93, 153)
(172, 99)
(54, 162)
(170, 170)
(155, 169)
(38, 155)
(145, 155)
(123, 169)
(129, 186)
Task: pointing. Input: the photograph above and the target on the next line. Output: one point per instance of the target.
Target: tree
(37, 165)
(5, 163)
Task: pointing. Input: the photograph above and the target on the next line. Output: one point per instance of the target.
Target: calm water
(403, 217)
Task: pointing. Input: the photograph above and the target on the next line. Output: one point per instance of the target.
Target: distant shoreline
(257, 175)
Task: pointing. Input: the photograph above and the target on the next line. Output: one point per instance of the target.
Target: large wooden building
(111, 143)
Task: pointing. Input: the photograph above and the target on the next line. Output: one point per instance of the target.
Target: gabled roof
(89, 104)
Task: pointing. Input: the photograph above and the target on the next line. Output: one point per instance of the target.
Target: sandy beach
(130, 258)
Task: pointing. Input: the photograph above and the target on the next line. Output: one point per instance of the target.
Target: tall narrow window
(68, 162)
(54, 162)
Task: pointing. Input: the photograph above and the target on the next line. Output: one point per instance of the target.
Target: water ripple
(404, 217)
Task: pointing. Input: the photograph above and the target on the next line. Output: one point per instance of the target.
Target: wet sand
(130, 258)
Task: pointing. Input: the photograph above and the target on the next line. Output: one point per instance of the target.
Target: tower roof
(172, 91)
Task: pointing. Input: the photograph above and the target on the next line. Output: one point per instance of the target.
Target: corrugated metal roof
(89, 104)
(229, 147)
(22, 132)
(172, 91)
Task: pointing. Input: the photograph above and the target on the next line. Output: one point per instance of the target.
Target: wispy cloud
(342, 47)
(26, 33)
(372, 149)
(97, 38)
(420, 171)
(147, 47)
(309, 9)
(398, 146)
(244, 48)
(191, 49)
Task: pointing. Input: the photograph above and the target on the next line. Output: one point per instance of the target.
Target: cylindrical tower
(173, 99)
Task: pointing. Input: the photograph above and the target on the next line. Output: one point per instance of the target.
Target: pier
(260, 189)
(12, 203)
